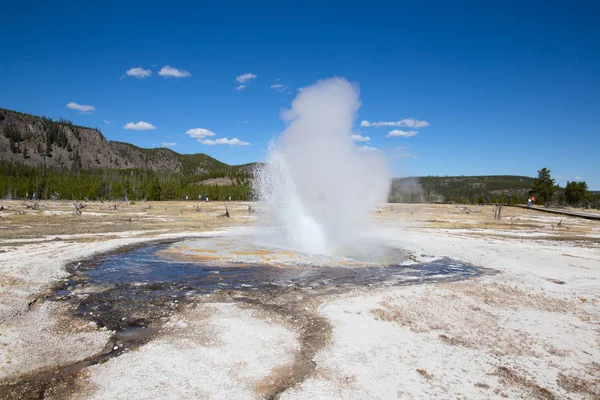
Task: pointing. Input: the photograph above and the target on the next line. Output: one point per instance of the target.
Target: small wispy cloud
(404, 155)
(81, 108)
(240, 88)
(231, 142)
(138, 72)
(169, 144)
(410, 123)
(139, 126)
(397, 132)
(279, 87)
(200, 133)
(359, 138)
(170, 72)
(107, 122)
(368, 149)
(402, 152)
(245, 77)
(578, 178)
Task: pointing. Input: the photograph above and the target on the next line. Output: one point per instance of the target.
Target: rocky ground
(530, 331)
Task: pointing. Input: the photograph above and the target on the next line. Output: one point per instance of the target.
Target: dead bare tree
(115, 207)
(226, 213)
(34, 204)
(498, 212)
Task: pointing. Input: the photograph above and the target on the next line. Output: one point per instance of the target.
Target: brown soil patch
(512, 378)
(587, 386)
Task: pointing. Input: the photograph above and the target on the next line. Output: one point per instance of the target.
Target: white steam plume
(318, 188)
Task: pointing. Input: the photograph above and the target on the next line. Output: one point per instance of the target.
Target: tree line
(575, 193)
(493, 189)
(18, 181)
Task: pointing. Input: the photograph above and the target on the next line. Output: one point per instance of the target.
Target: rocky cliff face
(39, 141)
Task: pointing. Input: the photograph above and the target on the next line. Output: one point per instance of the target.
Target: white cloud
(169, 144)
(359, 138)
(199, 133)
(411, 123)
(139, 126)
(138, 72)
(402, 152)
(107, 122)
(367, 149)
(279, 87)
(578, 177)
(404, 155)
(240, 88)
(397, 132)
(231, 142)
(245, 77)
(170, 72)
(81, 108)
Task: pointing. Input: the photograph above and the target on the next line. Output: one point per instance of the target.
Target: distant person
(508, 200)
(485, 200)
(529, 202)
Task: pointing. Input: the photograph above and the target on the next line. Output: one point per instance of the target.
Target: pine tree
(576, 193)
(543, 185)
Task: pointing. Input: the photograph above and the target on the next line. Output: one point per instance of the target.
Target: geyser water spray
(317, 186)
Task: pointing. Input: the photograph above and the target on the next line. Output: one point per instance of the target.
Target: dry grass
(515, 221)
(58, 218)
(506, 296)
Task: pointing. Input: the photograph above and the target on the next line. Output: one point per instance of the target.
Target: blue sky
(505, 87)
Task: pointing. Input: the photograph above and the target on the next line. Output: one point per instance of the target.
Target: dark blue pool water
(134, 287)
(141, 267)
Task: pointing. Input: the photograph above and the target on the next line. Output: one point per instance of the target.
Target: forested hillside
(43, 142)
(461, 189)
(60, 159)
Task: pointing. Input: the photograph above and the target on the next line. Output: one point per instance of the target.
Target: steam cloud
(318, 188)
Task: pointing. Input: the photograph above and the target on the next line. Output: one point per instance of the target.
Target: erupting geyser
(317, 186)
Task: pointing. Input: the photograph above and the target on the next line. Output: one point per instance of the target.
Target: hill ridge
(40, 141)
